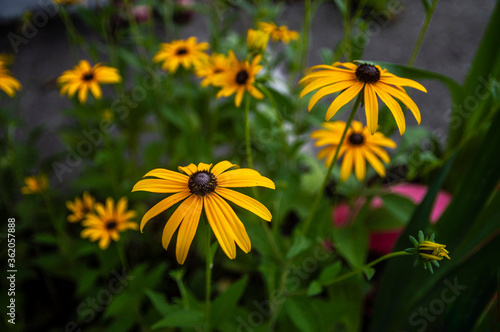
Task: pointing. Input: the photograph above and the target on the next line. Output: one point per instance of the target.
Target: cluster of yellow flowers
(103, 222)
(7, 83)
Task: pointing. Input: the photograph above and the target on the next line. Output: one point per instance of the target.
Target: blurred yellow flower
(204, 186)
(432, 251)
(181, 52)
(83, 78)
(35, 184)
(278, 33)
(80, 208)
(108, 222)
(215, 64)
(8, 83)
(238, 78)
(358, 147)
(352, 79)
(257, 40)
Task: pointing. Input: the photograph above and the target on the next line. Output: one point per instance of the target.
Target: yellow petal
(245, 202)
(359, 164)
(343, 99)
(163, 205)
(204, 167)
(244, 177)
(381, 153)
(403, 96)
(222, 166)
(394, 80)
(371, 108)
(190, 169)
(346, 168)
(394, 107)
(376, 164)
(188, 229)
(231, 219)
(168, 175)
(328, 90)
(223, 234)
(175, 220)
(159, 186)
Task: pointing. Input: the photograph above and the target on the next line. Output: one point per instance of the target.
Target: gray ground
(448, 48)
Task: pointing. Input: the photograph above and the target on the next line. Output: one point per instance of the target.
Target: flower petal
(359, 164)
(376, 164)
(245, 202)
(394, 107)
(175, 220)
(346, 168)
(159, 186)
(163, 205)
(343, 99)
(223, 234)
(168, 175)
(190, 169)
(222, 166)
(371, 108)
(188, 229)
(244, 177)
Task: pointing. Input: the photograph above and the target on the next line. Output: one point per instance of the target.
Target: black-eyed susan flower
(187, 53)
(257, 40)
(359, 146)
(80, 207)
(8, 83)
(278, 33)
(352, 79)
(83, 77)
(427, 251)
(213, 65)
(108, 221)
(204, 187)
(240, 77)
(35, 184)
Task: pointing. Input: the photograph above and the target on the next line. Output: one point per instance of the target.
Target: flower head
(211, 66)
(108, 222)
(352, 79)
(358, 147)
(181, 52)
(257, 40)
(427, 251)
(80, 207)
(278, 33)
(7, 83)
(204, 186)
(83, 77)
(35, 184)
(238, 78)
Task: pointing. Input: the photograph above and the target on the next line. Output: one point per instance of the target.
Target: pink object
(382, 242)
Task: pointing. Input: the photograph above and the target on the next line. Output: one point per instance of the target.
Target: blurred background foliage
(153, 119)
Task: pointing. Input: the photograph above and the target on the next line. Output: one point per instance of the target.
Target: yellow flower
(204, 186)
(181, 52)
(257, 40)
(35, 184)
(108, 222)
(238, 78)
(352, 79)
(84, 77)
(358, 147)
(215, 64)
(80, 207)
(278, 33)
(432, 251)
(8, 83)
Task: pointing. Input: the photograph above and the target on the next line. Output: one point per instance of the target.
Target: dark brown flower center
(202, 183)
(368, 73)
(242, 77)
(356, 139)
(111, 225)
(88, 77)
(428, 252)
(181, 51)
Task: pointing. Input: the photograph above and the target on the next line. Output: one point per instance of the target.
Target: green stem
(362, 268)
(121, 254)
(329, 171)
(247, 134)
(305, 36)
(421, 36)
(208, 280)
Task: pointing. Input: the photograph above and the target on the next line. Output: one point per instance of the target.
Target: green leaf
(159, 302)
(352, 243)
(301, 314)
(181, 318)
(330, 272)
(45, 239)
(314, 288)
(225, 303)
(369, 272)
(300, 244)
(400, 207)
